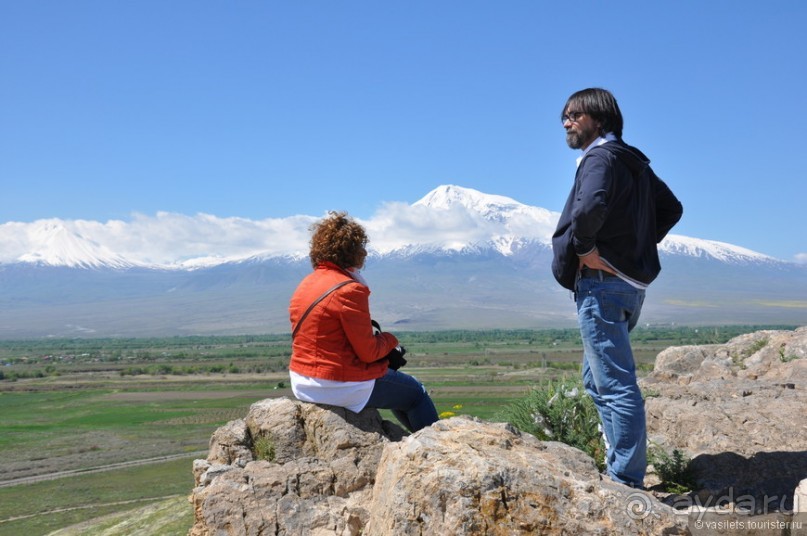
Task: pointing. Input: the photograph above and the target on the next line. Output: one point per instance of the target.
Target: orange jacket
(336, 341)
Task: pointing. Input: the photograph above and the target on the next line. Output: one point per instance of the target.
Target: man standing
(605, 251)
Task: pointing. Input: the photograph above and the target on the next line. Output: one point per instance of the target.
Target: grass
(46, 506)
(264, 449)
(171, 517)
(95, 427)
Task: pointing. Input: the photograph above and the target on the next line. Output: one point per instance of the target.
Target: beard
(578, 139)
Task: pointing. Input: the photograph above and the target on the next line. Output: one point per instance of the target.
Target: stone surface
(737, 409)
(800, 499)
(335, 472)
(465, 476)
(318, 480)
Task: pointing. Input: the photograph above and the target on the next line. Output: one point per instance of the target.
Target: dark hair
(601, 105)
(338, 239)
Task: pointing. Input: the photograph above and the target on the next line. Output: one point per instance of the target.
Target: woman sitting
(338, 358)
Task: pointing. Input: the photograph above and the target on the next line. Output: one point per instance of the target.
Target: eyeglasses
(571, 116)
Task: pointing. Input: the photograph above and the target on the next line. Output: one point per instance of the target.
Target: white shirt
(349, 395)
(596, 143)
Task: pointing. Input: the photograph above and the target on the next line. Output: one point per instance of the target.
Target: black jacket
(619, 206)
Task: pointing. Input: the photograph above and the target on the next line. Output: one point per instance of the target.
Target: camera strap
(310, 307)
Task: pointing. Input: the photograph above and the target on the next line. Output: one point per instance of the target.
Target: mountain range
(457, 258)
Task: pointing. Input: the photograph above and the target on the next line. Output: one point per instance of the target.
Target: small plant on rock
(674, 469)
(264, 449)
(739, 359)
(756, 347)
(784, 358)
(560, 410)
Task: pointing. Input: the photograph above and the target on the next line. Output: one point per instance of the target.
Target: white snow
(449, 218)
(697, 247)
(52, 243)
(506, 221)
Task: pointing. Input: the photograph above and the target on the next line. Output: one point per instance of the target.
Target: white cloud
(463, 218)
(171, 239)
(396, 225)
(165, 238)
(801, 258)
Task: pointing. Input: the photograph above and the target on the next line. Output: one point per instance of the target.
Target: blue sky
(277, 108)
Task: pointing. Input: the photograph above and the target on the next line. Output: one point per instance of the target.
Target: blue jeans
(406, 397)
(607, 310)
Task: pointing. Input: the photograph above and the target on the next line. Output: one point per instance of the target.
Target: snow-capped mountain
(518, 224)
(721, 251)
(494, 208)
(449, 218)
(457, 258)
(51, 243)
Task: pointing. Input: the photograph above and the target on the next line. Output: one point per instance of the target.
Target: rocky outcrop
(329, 471)
(290, 468)
(737, 409)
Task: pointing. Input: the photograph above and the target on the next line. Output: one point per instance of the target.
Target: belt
(598, 274)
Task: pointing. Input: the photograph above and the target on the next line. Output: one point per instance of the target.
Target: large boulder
(465, 476)
(290, 468)
(330, 471)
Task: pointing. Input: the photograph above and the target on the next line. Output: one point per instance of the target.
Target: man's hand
(593, 261)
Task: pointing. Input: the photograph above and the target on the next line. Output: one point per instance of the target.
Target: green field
(120, 421)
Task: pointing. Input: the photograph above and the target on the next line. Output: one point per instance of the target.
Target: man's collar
(609, 136)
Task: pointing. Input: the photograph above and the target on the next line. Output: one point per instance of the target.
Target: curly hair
(338, 239)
